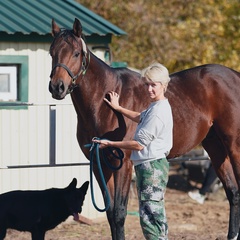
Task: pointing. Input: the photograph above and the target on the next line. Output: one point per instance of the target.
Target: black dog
(40, 211)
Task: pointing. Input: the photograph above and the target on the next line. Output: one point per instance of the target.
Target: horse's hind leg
(221, 162)
(227, 177)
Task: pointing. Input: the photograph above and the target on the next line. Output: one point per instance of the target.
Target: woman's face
(155, 90)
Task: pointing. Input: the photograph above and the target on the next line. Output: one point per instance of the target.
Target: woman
(150, 146)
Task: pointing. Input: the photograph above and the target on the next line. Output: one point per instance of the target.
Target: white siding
(24, 138)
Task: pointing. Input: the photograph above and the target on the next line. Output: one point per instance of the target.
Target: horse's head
(69, 57)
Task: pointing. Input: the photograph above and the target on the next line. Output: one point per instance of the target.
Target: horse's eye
(76, 54)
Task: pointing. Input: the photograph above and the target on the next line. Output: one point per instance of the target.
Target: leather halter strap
(82, 70)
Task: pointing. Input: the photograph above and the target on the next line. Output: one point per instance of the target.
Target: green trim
(119, 64)
(96, 39)
(22, 81)
(34, 37)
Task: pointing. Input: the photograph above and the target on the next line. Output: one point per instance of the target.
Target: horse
(205, 102)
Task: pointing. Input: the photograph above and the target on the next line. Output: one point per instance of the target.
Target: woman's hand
(114, 104)
(103, 143)
(114, 100)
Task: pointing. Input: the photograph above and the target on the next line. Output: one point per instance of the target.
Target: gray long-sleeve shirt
(154, 132)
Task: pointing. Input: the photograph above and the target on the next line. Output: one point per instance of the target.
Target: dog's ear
(84, 187)
(73, 184)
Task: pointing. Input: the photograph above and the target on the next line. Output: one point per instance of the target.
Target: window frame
(10, 71)
(22, 84)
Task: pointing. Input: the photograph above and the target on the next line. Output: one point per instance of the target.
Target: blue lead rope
(94, 150)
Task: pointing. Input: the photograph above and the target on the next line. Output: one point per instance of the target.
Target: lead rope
(94, 148)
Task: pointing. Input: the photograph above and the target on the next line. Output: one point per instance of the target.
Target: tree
(178, 33)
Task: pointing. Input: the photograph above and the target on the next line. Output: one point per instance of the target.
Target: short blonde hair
(156, 72)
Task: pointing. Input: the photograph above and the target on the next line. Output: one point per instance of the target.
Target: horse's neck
(93, 86)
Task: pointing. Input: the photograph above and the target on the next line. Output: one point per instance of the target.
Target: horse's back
(203, 73)
(201, 97)
(126, 75)
(204, 85)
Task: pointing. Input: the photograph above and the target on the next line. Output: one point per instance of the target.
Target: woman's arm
(131, 144)
(114, 103)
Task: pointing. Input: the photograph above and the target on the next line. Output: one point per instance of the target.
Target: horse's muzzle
(58, 91)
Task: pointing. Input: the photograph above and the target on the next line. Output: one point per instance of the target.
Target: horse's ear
(77, 28)
(55, 28)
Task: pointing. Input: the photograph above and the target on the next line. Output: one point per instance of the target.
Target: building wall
(24, 137)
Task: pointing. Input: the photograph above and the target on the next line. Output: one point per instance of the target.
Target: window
(13, 81)
(8, 83)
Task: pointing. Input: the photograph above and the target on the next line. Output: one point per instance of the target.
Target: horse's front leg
(119, 199)
(118, 183)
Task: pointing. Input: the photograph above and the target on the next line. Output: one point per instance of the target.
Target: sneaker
(197, 197)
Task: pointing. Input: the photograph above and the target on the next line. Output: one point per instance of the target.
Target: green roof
(35, 16)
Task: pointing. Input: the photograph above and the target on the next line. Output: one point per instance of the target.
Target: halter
(82, 70)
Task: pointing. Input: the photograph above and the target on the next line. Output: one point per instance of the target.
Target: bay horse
(205, 103)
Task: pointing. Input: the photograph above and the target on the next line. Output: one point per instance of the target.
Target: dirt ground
(187, 219)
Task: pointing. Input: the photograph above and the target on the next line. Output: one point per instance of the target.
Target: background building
(38, 145)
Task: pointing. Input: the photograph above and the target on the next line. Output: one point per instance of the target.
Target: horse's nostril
(61, 87)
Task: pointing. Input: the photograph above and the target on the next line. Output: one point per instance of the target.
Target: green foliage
(178, 33)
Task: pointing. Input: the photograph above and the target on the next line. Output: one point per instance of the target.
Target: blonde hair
(156, 72)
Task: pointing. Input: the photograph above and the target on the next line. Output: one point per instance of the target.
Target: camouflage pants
(151, 180)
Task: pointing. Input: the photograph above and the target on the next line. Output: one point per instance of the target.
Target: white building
(37, 150)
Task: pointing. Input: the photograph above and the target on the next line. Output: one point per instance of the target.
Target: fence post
(52, 135)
